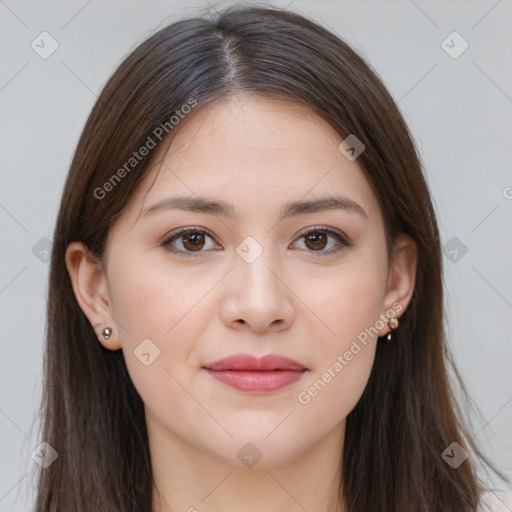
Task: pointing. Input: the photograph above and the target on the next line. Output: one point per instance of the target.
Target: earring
(106, 333)
(393, 324)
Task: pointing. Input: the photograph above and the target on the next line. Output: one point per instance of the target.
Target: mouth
(248, 373)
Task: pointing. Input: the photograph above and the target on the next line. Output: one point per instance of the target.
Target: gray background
(459, 110)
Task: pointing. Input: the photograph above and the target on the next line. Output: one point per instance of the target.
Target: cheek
(347, 301)
(332, 391)
(349, 306)
(155, 317)
(151, 300)
(166, 309)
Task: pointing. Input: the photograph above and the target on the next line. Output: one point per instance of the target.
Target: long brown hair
(92, 414)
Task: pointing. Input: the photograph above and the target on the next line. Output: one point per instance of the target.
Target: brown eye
(316, 240)
(189, 242)
(193, 241)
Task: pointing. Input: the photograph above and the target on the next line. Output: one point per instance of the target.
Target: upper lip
(249, 362)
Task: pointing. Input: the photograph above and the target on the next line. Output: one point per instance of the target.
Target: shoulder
(497, 501)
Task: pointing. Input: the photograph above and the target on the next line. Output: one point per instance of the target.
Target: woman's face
(294, 264)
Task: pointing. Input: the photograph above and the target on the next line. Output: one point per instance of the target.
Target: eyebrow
(224, 209)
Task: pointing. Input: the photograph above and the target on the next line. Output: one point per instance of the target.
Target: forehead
(257, 154)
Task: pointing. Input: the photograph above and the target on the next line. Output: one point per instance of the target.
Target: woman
(245, 307)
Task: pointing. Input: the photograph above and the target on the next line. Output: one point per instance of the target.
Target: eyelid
(177, 232)
(343, 239)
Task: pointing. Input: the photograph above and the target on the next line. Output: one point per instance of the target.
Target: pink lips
(247, 373)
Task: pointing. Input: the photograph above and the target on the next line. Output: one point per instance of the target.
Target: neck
(190, 480)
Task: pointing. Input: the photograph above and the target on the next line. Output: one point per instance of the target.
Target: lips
(248, 373)
(251, 363)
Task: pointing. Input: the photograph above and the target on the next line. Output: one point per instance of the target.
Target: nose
(258, 296)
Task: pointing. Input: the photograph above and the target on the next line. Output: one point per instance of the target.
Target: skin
(256, 154)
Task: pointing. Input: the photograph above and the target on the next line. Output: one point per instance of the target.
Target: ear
(91, 291)
(401, 278)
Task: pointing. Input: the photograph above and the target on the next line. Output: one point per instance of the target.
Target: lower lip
(257, 380)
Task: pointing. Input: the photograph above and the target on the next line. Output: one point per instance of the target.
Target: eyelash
(343, 243)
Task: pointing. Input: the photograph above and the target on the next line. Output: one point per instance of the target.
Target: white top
(496, 502)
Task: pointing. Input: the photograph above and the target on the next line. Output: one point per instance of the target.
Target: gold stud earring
(393, 324)
(106, 333)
